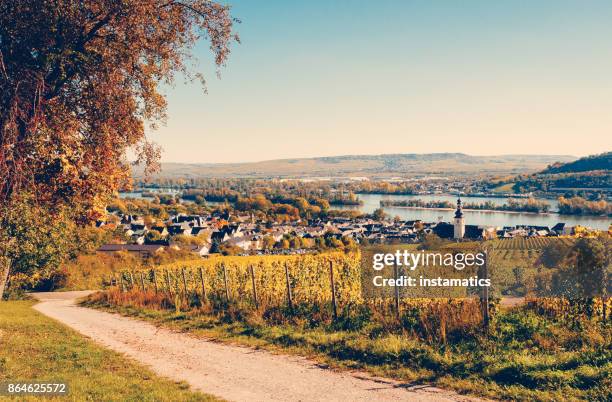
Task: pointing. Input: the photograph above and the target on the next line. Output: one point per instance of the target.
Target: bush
(353, 317)
(518, 327)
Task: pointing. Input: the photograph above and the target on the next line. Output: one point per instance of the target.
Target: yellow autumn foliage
(309, 277)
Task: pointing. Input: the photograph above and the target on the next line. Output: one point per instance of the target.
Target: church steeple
(459, 224)
(459, 211)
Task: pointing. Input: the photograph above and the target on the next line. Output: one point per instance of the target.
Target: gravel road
(230, 372)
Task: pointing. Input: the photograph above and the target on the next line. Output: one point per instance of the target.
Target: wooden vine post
(333, 289)
(142, 281)
(485, 294)
(167, 275)
(254, 287)
(202, 283)
(154, 278)
(227, 294)
(289, 295)
(396, 289)
(184, 280)
(131, 280)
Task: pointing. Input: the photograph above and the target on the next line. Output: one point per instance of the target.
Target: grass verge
(35, 348)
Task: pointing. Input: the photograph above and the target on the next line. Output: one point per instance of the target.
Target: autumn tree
(431, 242)
(268, 242)
(379, 214)
(34, 243)
(283, 244)
(78, 83)
(585, 274)
(295, 242)
(553, 254)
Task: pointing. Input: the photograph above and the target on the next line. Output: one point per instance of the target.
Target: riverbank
(550, 213)
(476, 210)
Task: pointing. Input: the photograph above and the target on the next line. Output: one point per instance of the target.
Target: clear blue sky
(319, 78)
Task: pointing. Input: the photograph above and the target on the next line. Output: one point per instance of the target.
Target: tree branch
(73, 68)
(187, 6)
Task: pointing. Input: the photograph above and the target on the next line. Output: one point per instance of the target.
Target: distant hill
(586, 164)
(591, 174)
(386, 165)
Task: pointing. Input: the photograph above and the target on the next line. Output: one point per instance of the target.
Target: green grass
(528, 357)
(36, 348)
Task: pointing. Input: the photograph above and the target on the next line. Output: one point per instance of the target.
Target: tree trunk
(5, 264)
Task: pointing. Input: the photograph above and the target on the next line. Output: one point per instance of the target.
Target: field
(36, 348)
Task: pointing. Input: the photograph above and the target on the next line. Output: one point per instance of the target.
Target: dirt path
(230, 372)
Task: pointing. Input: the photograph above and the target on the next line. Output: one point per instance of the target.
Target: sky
(323, 78)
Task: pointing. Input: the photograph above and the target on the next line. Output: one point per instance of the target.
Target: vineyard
(330, 279)
(529, 243)
(314, 305)
(262, 280)
(329, 283)
(572, 310)
(332, 283)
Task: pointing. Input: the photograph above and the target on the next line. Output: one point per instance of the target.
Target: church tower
(459, 223)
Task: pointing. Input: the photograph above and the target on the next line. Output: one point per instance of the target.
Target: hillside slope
(588, 163)
(367, 165)
(591, 174)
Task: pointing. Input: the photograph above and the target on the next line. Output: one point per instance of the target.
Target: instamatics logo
(405, 260)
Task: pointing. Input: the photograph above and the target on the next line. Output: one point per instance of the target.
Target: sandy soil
(230, 372)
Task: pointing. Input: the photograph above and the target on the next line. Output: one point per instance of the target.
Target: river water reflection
(495, 218)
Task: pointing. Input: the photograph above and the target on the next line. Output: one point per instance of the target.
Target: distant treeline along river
(370, 202)
(513, 205)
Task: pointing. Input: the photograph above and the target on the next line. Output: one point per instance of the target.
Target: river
(486, 218)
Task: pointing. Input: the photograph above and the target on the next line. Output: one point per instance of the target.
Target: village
(242, 234)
